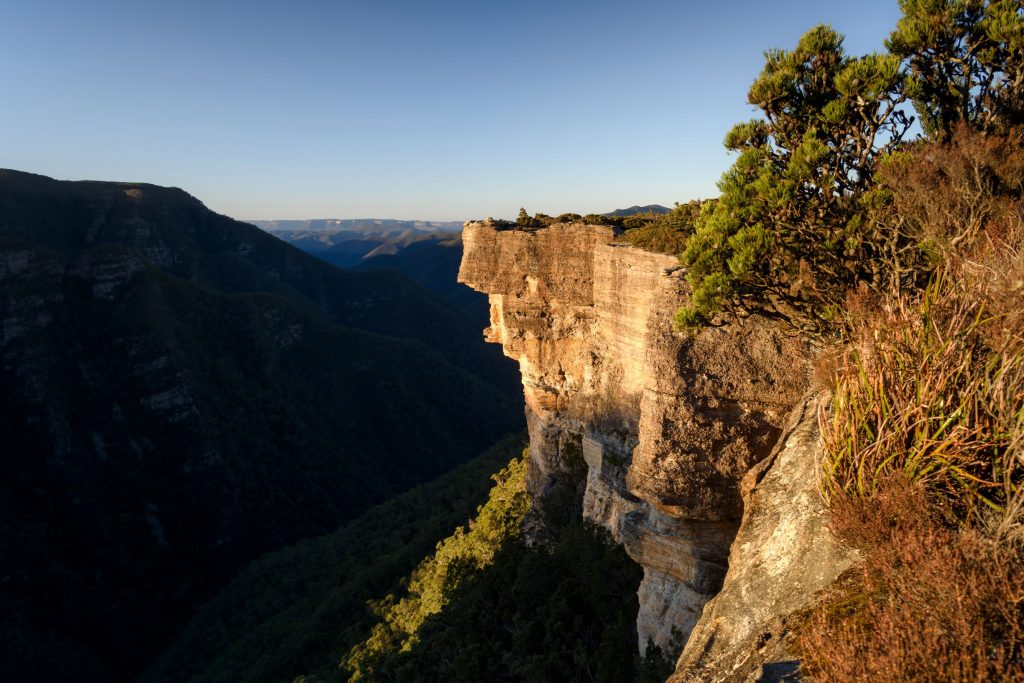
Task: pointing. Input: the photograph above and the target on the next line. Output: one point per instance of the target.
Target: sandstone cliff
(674, 440)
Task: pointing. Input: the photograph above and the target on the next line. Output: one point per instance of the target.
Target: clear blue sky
(434, 109)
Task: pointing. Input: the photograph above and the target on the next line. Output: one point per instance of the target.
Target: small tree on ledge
(790, 232)
(524, 220)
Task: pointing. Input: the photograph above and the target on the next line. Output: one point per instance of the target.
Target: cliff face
(780, 558)
(661, 427)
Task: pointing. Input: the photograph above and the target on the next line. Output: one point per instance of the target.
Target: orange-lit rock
(662, 426)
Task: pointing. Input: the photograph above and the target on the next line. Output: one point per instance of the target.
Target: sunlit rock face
(661, 427)
(782, 557)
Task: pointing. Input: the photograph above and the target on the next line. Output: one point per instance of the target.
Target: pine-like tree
(966, 62)
(790, 231)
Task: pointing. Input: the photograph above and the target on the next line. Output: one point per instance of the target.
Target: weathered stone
(782, 557)
(666, 425)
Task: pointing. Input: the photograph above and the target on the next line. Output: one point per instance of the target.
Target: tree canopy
(965, 60)
(801, 220)
(791, 225)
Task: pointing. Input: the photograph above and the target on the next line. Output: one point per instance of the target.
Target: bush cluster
(927, 603)
(664, 233)
(802, 216)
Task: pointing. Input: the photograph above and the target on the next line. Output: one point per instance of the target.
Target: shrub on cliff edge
(790, 232)
(801, 219)
(927, 603)
(664, 233)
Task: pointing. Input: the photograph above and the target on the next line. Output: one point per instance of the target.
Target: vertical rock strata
(661, 427)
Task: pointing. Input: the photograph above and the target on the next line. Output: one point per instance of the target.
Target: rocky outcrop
(781, 558)
(658, 428)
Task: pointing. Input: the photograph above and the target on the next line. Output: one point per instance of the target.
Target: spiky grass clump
(924, 396)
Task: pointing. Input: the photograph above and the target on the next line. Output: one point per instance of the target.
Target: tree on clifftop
(790, 231)
(966, 61)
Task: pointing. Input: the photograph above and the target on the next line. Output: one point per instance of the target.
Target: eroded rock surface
(782, 556)
(660, 428)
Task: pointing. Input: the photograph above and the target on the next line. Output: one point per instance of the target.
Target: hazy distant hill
(434, 264)
(633, 210)
(181, 392)
(431, 259)
(384, 227)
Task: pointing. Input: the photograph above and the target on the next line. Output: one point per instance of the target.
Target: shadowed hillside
(181, 392)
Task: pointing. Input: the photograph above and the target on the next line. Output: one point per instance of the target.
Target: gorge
(181, 393)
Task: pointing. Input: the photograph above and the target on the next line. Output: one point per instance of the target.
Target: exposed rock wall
(662, 427)
(782, 556)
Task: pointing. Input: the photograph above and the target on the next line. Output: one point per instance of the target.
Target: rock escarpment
(659, 429)
(781, 557)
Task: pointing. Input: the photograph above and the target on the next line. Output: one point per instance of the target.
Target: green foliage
(509, 612)
(438, 577)
(966, 61)
(487, 607)
(559, 613)
(524, 220)
(790, 231)
(539, 220)
(300, 608)
(664, 233)
(598, 219)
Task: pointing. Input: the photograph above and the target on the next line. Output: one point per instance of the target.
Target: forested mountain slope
(181, 392)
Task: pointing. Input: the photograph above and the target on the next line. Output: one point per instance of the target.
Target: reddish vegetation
(927, 604)
(924, 444)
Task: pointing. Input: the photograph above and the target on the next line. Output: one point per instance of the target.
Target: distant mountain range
(429, 252)
(430, 258)
(633, 210)
(180, 392)
(364, 226)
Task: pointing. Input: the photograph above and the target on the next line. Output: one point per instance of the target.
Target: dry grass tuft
(924, 395)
